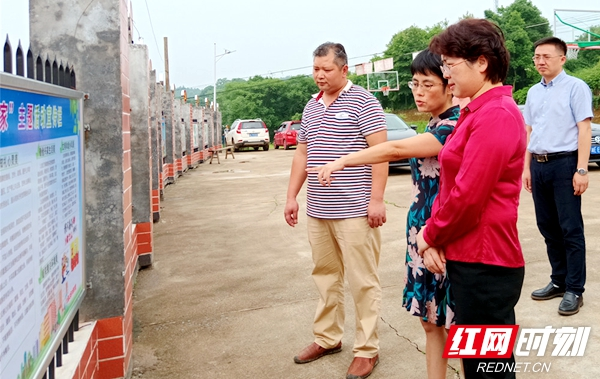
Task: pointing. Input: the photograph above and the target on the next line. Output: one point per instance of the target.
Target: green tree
(521, 71)
(591, 75)
(522, 24)
(536, 26)
(272, 100)
(401, 47)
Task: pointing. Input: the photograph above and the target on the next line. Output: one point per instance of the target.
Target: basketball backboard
(385, 80)
(574, 27)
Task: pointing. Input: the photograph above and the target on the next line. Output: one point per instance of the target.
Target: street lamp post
(217, 57)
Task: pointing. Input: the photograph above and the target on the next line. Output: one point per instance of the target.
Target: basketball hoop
(385, 90)
(572, 51)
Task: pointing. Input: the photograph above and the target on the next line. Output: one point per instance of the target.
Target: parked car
(398, 129)
(286, 134)
(595, 149)
(248, 133)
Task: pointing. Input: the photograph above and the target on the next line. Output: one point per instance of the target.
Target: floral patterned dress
(426, 294)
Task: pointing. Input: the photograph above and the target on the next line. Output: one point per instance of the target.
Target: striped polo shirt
(334, 131)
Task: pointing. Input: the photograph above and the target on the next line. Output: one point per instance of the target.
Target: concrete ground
(230, 293)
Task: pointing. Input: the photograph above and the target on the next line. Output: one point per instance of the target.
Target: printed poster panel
(206, 136)
(182, 136)
(163, 133)
(41, 229)
(384, 65)
(196, 135)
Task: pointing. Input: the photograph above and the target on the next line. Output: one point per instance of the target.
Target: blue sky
(276, 38)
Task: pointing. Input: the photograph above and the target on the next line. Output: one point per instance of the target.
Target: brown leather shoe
(362, 367)
(313, 352)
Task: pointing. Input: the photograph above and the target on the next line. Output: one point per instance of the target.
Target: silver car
(398, 129)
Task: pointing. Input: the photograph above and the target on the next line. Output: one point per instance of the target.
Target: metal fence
(43, 70)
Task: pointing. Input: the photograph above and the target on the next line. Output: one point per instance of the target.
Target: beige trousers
(346, 246)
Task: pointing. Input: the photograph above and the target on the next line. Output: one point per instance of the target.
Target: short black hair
(428, 63)
(341, 58)
(557, 42)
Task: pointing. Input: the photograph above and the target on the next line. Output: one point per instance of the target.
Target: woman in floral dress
(426, 295)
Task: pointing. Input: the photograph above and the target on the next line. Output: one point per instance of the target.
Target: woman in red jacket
(473, 227)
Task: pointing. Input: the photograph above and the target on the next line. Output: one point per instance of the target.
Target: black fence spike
(39, 69)
(61, 75)
(36, 67)
(51, 370)
(47, 71)
(58, 356)
(20, 61)
(54, 72)
(30, 65)
(7, 56)
(67, 76)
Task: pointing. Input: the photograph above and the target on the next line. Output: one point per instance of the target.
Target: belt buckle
(541, 158)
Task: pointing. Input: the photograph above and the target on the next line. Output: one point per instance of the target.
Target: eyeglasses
(426, 86)
(537, 58)
(447, 67)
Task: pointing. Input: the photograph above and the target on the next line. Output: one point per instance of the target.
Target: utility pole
(167, 85)
(215, 83)
(217, 57)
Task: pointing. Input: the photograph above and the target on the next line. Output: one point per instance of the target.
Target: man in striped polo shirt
(343, 218)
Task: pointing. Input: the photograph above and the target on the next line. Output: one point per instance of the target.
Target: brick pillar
(162, 136)
(196, 135)
(186, 115)
(210, 121)
(169, 142)
(140, 152)
(155, 144)
(218, 129)
(95, 40)
(178, 133)
(203, 134)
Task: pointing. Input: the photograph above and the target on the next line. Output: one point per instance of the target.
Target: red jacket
(474, 216)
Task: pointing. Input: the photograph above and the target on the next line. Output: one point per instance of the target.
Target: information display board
(196, 134)
(163, 133)
(41, 222)
(183, 134)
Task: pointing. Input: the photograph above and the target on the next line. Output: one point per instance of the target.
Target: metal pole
(217, 57)
(167, 83)
(215, 83)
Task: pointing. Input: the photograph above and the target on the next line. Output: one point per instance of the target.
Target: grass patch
(414, 117)
(421, 125)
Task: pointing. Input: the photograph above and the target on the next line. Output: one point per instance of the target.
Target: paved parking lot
(230, 293)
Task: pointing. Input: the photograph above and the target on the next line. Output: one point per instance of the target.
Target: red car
(286, 134)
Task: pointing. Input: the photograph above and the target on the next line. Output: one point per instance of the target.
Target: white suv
(252, 133)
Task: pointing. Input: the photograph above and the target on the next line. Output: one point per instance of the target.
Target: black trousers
(485, 295)
(558, 214)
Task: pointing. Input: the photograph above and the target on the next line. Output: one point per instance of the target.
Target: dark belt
(550, 156)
